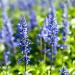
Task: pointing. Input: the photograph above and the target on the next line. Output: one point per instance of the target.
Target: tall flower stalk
(65, 24)
(50, 35)
(53, 33)
(7, 33)
(7, 39)
(43, 35)
(22, 38)
(65, 32)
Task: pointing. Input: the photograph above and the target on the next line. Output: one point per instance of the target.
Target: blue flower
(22, 5)
(33, 21)
(25, 5)
(22, 38)
(6, 57)
(30, 4)
(64, 71)
(51, 30)
(65, 26)
(49, 33)
(65, 23)
(63, 46)
(7, 31)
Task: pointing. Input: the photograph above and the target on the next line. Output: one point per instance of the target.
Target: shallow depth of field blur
(38, 64)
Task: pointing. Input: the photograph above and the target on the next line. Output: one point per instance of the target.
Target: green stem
(45, 53)
(25, 67)
(51, 61)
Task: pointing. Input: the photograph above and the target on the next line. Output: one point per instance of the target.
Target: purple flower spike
(22, 38)
(65, 23)
(33, 21)
(7, 31)
(49, 33)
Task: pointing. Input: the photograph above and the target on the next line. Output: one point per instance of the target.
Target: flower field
(37, 37)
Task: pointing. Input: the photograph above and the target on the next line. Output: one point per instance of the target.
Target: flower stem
(45, 53)
(25, 67)
(51, 61)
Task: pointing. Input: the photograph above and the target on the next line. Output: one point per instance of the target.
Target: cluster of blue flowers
(65, 23)
(65, 26)
(33, 21)
(64, 71)
(6, 36)
(49, 32)
(22, 38)
(8, 31)
(65, 32)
